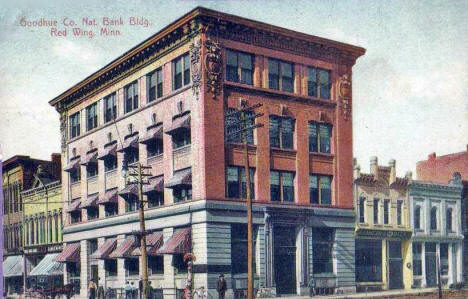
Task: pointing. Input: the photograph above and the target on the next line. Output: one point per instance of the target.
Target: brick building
(163, 103)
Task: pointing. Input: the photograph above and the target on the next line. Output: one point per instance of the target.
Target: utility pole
(138, 175)
(244, 120)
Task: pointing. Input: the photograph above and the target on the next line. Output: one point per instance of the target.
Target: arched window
(434, 218)
(417, 217)
(448, 220)
(362, 209)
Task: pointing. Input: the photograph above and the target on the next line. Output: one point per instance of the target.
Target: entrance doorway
(431, 264)
(395, 265)
(284, 239)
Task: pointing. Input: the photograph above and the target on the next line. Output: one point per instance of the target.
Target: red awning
(178, 243)
(109, 150)
(156, 184)
(109, 197)
(154, 132)
(74, 164)
(130, 141)
(91, 157)
(153, 242)
(75, 205)
(181, 122)
(129, 190)
(91, 201)
(180, 178)
(69, 254)
(125, 248)
(105, 249)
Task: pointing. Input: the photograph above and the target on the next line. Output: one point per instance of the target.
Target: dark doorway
(368, 260)
(431, 264)
(395, 265)
(94, 273)
(284, 239)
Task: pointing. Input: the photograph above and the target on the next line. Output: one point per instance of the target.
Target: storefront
(13, 267)
(47, 274)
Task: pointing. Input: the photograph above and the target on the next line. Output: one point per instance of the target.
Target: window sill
(93, 178)
(325, 275)
(111, 171)
(323, 155)
(75, 183)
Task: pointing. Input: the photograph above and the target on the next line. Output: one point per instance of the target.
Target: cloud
(77, 52)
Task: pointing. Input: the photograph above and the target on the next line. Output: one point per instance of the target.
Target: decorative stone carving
(195, 68)
(63, 131)
(344, 94)
(214, 67)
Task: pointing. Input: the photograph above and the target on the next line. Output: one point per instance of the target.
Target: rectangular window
(239, 67)
(154, 147)
(181, 138)
(239, 248)
(280, 75)
(75, 217)
(91, 170)
(322, 240)
(449, 220)
(236, 182)
(182, 193)
(93, 213)
(110, 265)
(132, 266)
(93, 245)
(318, 83)
(376, 211)
(417, 259)
(132, 155)
(282, 186)
(110, 163)
(131, 204)
(319, 137)
(75, 125)
(180, 71)
(156, 264)
(368, 260)
(320, 189)
(75, 175)
(131, 97)
(399, 211)
(417, 217)
(386, 210)
(362, 209)
(111, 209)
(444, 264)
(155, 199)
(110, 108)
(154, 85)
(232, 125)
(179, 263)
(91, 117)
(281, 132)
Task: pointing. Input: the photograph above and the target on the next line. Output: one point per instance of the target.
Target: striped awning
(105, 249)
(91, 201)
(91, 157)
(109, 150)
(130, 141)
(153, 242)
(48, 266)
(180, 178)
(70, 254)
(178, 243)
(129, 190)
(125, 248)
(74, 206)
(13, 266)
(154, 132)
(180, 123)
(156, 184)
(74, 164)
(109, 197)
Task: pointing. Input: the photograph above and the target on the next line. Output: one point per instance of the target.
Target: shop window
(232, 125)
(417, 259)
(131, 97)
(320, 189)
(368, 260)
(154, 83)
(319, 138)
(179, 263)
(281, 186)
(236, 182)
(156, 264)
(281, 132)
(444, 261)
(110, 266)
(280, 75)
(322, 240)
(318, 83)
(132, 266)
(180, 71)
(239, 67)
(239, 248)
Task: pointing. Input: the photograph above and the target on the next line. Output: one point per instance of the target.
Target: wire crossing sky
(410, 91)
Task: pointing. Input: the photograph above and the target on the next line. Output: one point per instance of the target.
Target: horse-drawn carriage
(52, 293)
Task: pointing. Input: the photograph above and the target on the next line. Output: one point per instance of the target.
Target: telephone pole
(244, 125)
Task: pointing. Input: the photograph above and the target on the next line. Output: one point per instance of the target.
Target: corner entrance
(284, 239)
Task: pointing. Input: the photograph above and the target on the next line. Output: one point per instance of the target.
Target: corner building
(163, 103)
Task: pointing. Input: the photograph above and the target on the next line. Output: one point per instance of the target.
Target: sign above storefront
(375, 233)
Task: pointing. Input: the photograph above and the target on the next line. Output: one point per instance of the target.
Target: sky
(410, 89)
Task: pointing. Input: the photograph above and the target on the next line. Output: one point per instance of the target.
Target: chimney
(357, 171)
(432, 156)
(56, 159)
(409, 175)
(392, 178)
(374, 165)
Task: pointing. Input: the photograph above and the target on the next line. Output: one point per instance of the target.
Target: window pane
(312, 82)
(324, 84)
(325, 131)
(449, 219)
(444, 265)
(186, 69)
(287, 180)
(386, 203)
(287, 130)
(399, 211)
(177, 66)
(313, 144)
(417, 259)
(322, 240)
(417, 217)
(287, 77)
(232, 125)
(233, 183)
(376, 210)
(244, 187)
(275, 193)
(362, 209)
(231, 58)
(274, 132)
(325, 190)
(273, 74)
(313, 189)
(434, 218)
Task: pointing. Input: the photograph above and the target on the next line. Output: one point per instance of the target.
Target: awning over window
(154, 132)
(178, 243)
(109, 150)
(130, 141)
(181, 122)
(105, 249)
(125, 248)
(13, 266)
(156, 184)
(180, 178)
(91, 201)
(153, 242)
(74, 206)
(129, 190)
(109, 197)
(69, 254)
(74, 164)
(48, 266)
(91, 157)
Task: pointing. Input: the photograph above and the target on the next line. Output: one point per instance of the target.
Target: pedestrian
(149, 291)
(140, 288)
(128, 290)
(100, 291)
(221, 286)
(92, 289)
(133, 290)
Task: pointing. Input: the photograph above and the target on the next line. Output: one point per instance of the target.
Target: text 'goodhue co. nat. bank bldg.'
(164, 103)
